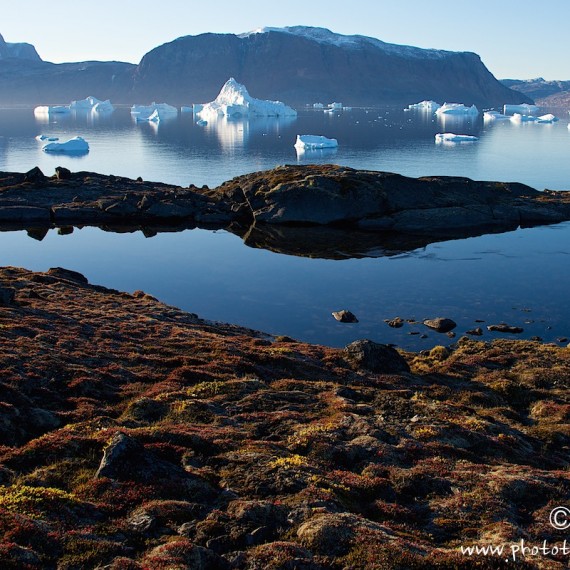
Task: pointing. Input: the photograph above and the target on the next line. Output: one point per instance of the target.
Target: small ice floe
(185, 109)
(335, 106)
(318, 106)
(494, 116)
(42, 138)
(156, 110)
(314, 142)
(453, 138)
(430, 106)
(92, 104)
(52, 110)
(456, 109)
(202, 122)
(518, 118)
(523, 109)
(76, 145)
(548, 118)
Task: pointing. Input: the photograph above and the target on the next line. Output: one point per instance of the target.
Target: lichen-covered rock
(374, 357)
(440, 324)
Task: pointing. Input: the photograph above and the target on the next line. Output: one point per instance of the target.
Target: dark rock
(396, 323)
(62, 173)
(369, 355)
(440, 324)
(504, 328)
(6, 296)
(536, 338)
(561, 339)
(35, 175)
(478, 331)
(344, 316)
(68, 274)
(65, 230)
(451, 334)
(25, 214)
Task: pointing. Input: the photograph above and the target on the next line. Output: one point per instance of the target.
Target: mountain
(18, 51)
(296, 65)
(546, 93)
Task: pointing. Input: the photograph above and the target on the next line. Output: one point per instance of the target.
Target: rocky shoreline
(134, 435)
(308, 195)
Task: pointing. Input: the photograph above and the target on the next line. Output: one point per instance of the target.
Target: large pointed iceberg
(235, 101)
(92, 104)
(456, 109)
(429, 106)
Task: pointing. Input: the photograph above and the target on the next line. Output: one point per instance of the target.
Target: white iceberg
(103, 107)
(548, 118)
(431, 106)
(494, 116)
(523, 109)
(453, 138)
(518, 118)
(92, 104)
(197, 107)
(235, 101)
(318, 106)
(42, 138)
(201, 122)
(76, 145)
(313, 142)
(335, 106)
(456, 109)
(155, 110)
(52, 110)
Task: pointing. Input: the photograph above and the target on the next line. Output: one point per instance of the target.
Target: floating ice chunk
(76, 145)
(197, 107)
(524, 109)
(235, 101)
(312, 142)
(456, 109)
(52, 110)
(42, 138)
(548, 118)
(144, 112)
(335, 106)
(103, 107)
(518, 118)
(201, 122)
(318, 106)
(494, 116)
(453, 138)
(347, 108)
(431, 106)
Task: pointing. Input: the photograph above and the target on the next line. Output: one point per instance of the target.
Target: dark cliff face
(299, 70)
(18, 51)
(546, 93)
(296, 68)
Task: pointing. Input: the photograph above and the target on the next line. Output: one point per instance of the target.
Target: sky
(514, 38)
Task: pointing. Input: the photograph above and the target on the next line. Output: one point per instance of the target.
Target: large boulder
(374, 357)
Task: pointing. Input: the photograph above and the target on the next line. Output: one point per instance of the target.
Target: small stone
(561, 339)
(451, 334)
(440, 324)
(475, 332)
(344, 316)
(536, 338)
(423, 335)
(396, 323)
(504, 328)
(479, 321)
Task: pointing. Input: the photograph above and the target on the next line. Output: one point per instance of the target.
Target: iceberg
(156, 110)
(313, 142)
(52, 110)
(102, 107)
(235, 101)
(76, 145)
(548, 118)
(335, 106)
(42, 138)
(431, 106)
(494, 116)
(453, 138)
(523, 109)
(318, 106)
(456, 109)
(518, 118)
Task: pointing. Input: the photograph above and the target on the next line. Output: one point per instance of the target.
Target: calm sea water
(519, 277)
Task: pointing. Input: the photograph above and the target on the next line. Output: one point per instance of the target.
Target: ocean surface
(520, 277)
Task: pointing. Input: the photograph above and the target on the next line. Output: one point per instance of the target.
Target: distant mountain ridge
(18, 51)
(552, 93)
(296, 65)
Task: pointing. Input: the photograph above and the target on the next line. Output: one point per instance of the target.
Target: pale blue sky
(513, 38)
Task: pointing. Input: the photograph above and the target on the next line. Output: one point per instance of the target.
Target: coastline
(161, 439)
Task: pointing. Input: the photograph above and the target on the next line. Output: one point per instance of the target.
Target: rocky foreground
(321, 195)
(136, 436)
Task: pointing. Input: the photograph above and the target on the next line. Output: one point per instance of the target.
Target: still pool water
(520, 277)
